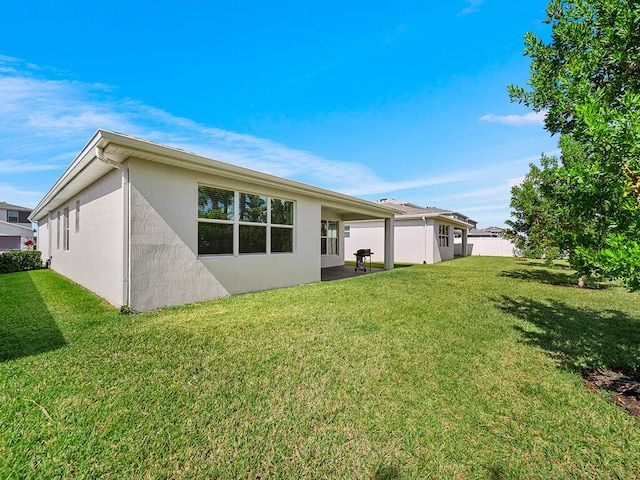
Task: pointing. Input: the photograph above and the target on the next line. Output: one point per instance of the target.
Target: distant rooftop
(485, 232)
(9, 206)
(411, 209)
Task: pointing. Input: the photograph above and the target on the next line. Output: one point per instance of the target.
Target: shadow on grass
(578, 338)
(26, 326)
(387, 472)
(566, 278)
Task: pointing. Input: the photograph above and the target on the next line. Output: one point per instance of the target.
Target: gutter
(126, 220)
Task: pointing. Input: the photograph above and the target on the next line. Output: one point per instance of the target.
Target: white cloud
(46, 119)
(472, 6)
(13, 166)
(531, 118)
(486, 208)
(19, 196)
(45, 122)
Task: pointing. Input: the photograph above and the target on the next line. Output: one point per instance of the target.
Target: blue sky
(403, 99)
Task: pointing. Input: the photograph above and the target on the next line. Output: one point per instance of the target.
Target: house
(145, 225)
(421, 235)
(15, 227)
(487, 242)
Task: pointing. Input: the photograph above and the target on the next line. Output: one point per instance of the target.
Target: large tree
(535, 228)
(587, 79)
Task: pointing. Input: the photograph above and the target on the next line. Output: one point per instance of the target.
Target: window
(58, 232)
(328, 237)
(281, 226)
(215, 221)
(77, 216)
(65, 229)
(347, 231)
(261, 225)
(13, 216)
(253, 223)
(443, 235)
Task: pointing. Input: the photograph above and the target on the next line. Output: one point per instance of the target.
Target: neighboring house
(15, 227)
(487, 242)
(422, 235)
(145, 225)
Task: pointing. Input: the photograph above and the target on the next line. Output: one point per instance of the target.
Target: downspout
(126, 220)
(424, 219)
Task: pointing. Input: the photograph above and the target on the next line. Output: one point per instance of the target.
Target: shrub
(19, 260)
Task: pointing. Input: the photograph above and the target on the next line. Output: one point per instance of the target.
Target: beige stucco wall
(94, 258)
(165, 266)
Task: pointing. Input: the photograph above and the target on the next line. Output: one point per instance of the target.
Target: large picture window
(238, 223)
(328, 237)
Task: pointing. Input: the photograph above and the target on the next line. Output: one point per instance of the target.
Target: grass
(464, 369)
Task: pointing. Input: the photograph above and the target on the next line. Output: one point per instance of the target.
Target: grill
(361, 255)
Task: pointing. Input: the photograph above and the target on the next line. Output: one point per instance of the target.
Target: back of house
(145, 225)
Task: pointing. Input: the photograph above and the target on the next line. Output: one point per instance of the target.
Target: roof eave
(123, 146)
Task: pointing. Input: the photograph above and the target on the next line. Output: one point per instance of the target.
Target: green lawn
(464, 369)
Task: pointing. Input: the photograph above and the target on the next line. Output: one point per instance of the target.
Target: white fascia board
(85, 158)
(125, 146)
(119, 147)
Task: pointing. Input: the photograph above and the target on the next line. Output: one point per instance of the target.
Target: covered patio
(345, 271)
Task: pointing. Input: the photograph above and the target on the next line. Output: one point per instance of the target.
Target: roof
(485, 232)
(107, 150)
(9, 206)
(16, 225)
(410, 210)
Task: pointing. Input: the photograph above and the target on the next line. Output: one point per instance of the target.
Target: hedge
(19, 260)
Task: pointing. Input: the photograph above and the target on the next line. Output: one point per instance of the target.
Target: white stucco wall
(488, 247)
(94, 257)
(166, 269)
(365, 234)
(415, 240)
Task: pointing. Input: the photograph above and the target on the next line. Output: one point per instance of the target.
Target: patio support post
(464, 241)
(388, 243)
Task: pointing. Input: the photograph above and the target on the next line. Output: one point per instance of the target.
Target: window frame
(9, 216)
(240, 223)
(65, 229)
(58, 231)
(327, 240)
(443, 235)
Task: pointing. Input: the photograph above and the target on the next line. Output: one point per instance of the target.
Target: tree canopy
(587, 80)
